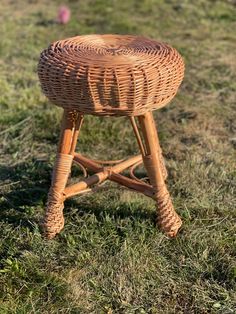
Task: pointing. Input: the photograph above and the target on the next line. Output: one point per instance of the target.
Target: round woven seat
(110, 74)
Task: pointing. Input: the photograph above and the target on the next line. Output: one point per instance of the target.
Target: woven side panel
(110, 74)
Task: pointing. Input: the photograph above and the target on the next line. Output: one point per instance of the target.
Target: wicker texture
(167, 218)
(54, 220)
(110, 74)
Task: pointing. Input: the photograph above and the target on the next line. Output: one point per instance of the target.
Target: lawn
(110, 257)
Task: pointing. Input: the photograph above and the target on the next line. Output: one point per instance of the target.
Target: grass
(110, 258)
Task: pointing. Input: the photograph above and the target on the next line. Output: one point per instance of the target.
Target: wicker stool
(110, 75)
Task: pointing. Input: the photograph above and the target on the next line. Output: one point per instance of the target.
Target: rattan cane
(110, 75)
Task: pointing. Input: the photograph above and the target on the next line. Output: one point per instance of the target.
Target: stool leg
(167, 219)
(53, 221)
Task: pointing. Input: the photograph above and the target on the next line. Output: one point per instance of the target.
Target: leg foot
(53, 221)
(167, 219)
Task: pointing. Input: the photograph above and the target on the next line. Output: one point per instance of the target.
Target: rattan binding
(119, 75)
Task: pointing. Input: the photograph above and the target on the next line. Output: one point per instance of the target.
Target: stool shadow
(31, 188)
(22, 188)
(99, 211)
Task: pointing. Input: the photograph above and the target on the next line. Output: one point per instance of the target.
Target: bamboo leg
(142, 148)
(162, 162)
(54, 220)
(167, 219)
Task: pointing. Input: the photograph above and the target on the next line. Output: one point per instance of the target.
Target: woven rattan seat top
(110, 74)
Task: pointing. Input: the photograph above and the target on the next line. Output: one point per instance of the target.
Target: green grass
(110, 258)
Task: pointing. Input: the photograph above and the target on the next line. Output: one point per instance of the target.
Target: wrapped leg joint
(167, 218)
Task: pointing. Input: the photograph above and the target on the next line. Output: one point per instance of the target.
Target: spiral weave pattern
(167, 218)
(110, 74)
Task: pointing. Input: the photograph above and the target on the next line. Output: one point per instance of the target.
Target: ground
(110, 257)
